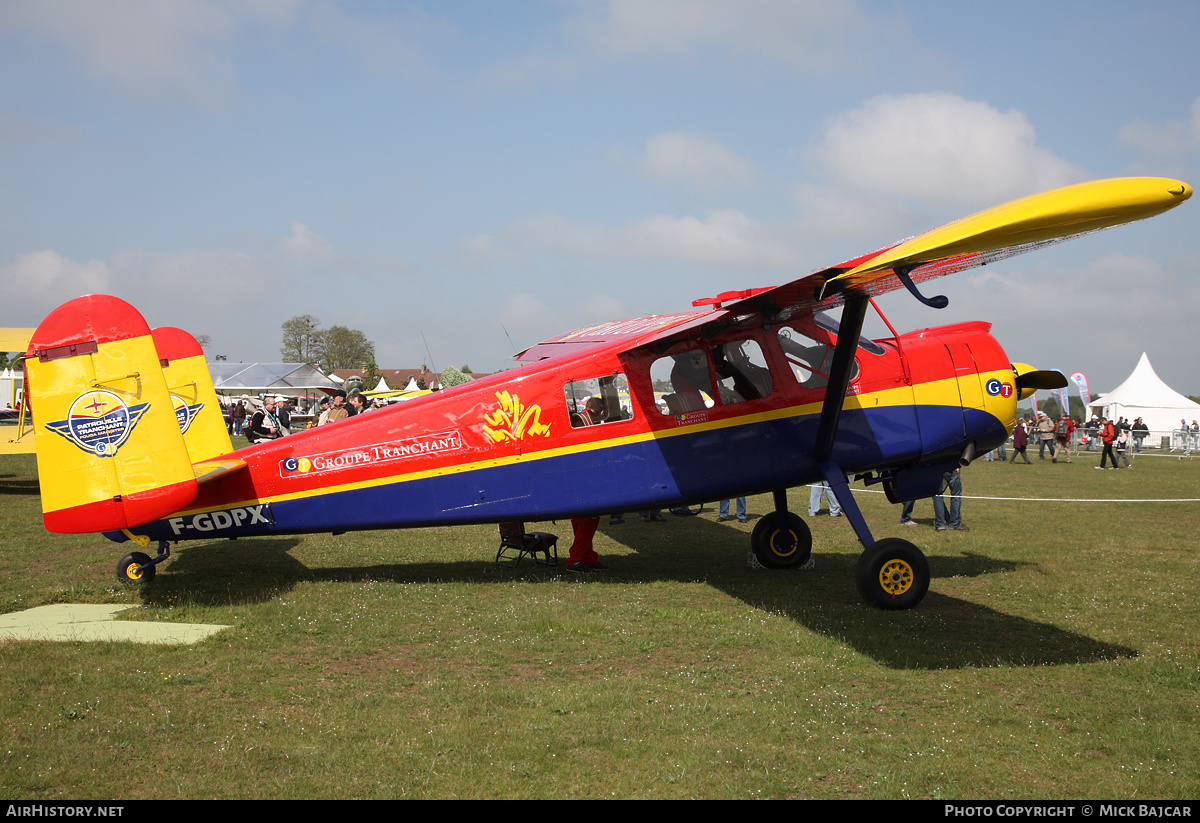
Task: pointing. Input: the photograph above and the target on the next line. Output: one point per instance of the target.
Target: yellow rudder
(197, 408)
(110, 452)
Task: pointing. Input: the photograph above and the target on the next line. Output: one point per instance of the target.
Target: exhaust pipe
(968, 455)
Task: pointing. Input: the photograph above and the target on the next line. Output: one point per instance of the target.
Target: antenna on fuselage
(510, 341)
(432, 365)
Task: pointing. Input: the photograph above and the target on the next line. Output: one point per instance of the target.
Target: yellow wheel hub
(896, 577)
(131, 571)
(775, 546)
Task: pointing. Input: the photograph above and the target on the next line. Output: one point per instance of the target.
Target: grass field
(1056, 656)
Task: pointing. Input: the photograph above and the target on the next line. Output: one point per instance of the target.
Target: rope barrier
(1061, 499)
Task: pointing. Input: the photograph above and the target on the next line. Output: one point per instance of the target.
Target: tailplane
(110, 451)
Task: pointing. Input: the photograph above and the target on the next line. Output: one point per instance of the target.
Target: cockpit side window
(597, 400)
(682, 382)
(810, 359)
(742, 372)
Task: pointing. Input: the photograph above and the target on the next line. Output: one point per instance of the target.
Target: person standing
(238, 415)
(1092, 428)
(1140, 432)
(1045, 430)
(1121, 444)
(723, 510)
(814, 500)
(337, 409)
(284, 415)
(264, 425)
(1108, 434)
(583, 558)
(953, 483)
(1020, 440)
(1063, 430)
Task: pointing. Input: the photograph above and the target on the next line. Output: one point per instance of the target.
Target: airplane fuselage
(522, 446)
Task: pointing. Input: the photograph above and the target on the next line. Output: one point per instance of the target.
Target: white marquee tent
(1145, 395)
(268, 378)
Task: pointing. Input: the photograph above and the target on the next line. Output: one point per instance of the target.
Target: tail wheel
(781, 542)
(893, 574)
(127, 569)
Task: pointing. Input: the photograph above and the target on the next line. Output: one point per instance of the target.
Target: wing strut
(849, 331)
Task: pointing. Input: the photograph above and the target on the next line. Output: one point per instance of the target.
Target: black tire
(127, 569)
(893, 574)
(781, 547)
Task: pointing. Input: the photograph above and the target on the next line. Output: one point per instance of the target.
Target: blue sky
(459, 169)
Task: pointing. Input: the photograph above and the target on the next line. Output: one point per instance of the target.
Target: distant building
(399, 378)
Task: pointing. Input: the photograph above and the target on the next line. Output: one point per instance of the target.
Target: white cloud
(37, 282)
(939, 148)
(191, 278)
(812, 35)
(306, 248)
(389, 45)
(828, 216)
(521, 308)
(151, 50)
(212, 287)
(723, 237)
(144, 48)
(820, 37)
(1174, 138)
(695, 160)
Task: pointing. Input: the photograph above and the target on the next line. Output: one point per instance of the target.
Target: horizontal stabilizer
(210, 470)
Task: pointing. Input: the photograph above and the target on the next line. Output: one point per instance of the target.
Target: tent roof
(1144, 388)
(252, 378)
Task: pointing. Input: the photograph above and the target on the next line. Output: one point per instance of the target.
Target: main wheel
(127, 569)
(781, 545)
(893, 574)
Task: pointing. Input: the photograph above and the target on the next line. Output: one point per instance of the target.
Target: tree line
(304, 341)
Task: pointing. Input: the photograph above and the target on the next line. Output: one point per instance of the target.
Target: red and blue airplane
(751, 392)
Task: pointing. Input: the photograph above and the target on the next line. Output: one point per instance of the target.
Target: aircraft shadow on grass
(946, 633)
(18, 484)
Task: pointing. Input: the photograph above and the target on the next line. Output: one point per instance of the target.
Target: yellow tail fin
(196, 405)
(110, 452)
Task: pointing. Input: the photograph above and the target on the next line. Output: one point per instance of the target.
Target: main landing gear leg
(781, 540)
(836, 479)
(892, 573)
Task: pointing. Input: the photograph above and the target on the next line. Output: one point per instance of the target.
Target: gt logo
(995, 387)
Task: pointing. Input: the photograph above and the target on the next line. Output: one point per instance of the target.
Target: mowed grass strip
(1055, 657)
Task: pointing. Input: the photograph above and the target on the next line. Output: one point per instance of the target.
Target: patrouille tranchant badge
(99, 422)
(184, 413)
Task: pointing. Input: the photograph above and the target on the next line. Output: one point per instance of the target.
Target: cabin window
(810, 359)
(682, 382)
(598, 400)
(742, 372)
